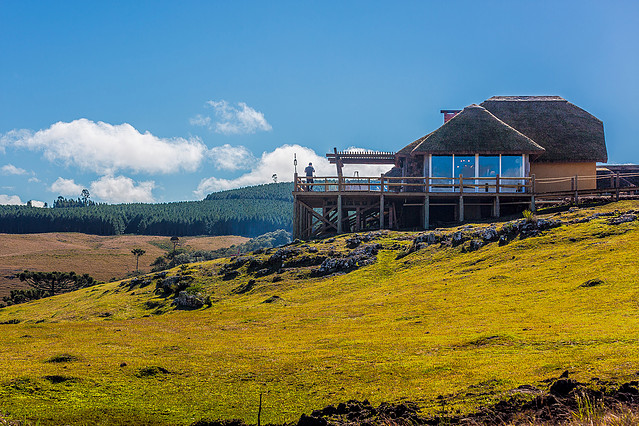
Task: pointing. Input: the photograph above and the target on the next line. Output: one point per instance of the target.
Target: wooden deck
(337, 204)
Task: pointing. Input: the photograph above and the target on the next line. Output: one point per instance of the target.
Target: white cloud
(10, 169)
(122, 189)
(110, 189)
(34, 179)
(36, 203)
(227, 157)
(12, 200)
(232, 120)
(106, 148)
(200, 120)
(280, 162)
(66, 187)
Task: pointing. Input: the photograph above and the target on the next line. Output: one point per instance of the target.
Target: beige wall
(543, 171)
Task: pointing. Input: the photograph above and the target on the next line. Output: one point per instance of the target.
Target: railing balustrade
(498, 184)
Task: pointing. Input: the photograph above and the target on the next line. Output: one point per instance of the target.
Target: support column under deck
(381, 211)
(427, 212)
(461, 208)
(340, 218)
(496, 207)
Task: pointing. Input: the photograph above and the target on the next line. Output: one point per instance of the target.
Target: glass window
(465, 166)
(441, 166)
(511, 166)
(488, 166)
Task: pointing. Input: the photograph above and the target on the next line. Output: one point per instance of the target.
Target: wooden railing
(385, 184)
(610, 184)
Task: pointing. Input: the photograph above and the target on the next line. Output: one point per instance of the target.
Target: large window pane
(511, 167)
(465, 166)
(488, 168)
(442, 166)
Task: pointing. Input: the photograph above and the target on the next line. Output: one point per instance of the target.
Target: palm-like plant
(137, 252)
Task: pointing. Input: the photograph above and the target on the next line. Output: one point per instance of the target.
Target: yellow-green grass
(469, 326)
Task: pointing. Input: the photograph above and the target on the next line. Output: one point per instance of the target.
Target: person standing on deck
(309, 170)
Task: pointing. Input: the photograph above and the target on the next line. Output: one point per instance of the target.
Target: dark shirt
(309, 171)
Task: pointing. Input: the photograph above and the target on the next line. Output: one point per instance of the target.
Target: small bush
(592, 283)
(529, 216)
(62, 358)
(151, 371)
(55, 379)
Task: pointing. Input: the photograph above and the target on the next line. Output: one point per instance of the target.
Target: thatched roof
(567, 132)
(475, 131)
(409, 148)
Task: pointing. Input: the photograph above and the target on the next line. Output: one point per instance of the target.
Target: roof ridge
(526, 98)
(461, 115)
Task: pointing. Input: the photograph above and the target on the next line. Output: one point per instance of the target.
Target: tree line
(248, 211)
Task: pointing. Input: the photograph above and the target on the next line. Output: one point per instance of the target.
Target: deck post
(427, 212)
(617, 187)
(496, 212)
(295, 218)
(340, 219)
(381, 202)
(576, 180)
(461, 198)
(533, 207)
(497, 184)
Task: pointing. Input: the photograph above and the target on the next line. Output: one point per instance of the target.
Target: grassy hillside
(431, 320)
(103, 257)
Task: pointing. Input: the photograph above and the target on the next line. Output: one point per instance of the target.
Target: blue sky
(165, 101)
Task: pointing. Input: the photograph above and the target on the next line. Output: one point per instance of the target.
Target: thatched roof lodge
(512, 136)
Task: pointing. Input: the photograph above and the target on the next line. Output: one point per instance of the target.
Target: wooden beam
(317, 215)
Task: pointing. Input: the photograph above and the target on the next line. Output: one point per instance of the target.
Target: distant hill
(247, 211)
(270, 191)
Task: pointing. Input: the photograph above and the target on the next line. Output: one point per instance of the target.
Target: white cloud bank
(232, 120)
(10, 169)
(280, 162)
(122, 189)
(12, 200)
(105, 148)
(66, 187)
(110, 189)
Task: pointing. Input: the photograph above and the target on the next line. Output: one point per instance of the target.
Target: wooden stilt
(340, 217)
(381, 202)
(427, 212)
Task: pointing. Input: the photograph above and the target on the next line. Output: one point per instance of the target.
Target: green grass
(469, 326)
